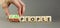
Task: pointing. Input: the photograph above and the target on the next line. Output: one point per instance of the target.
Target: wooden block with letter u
(13, 18)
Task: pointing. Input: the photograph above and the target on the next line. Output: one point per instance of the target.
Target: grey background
(34, 8)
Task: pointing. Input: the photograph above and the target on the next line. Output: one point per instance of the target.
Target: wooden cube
(14, 18)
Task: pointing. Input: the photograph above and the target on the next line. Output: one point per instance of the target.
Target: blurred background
(34, 8)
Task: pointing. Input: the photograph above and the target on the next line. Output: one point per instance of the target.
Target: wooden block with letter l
(13, 18)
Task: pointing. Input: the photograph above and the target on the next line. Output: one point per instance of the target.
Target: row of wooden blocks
(17, 18)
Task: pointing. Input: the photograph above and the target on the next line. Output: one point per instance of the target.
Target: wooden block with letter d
(13, 18)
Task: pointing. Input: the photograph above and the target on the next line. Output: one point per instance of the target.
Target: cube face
(14, 20)
(13, 16)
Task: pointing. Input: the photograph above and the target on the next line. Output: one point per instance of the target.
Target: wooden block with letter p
(13, 18)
